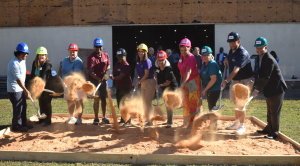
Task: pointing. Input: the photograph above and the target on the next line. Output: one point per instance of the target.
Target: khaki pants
(148, 91)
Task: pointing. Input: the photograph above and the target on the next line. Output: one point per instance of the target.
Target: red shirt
(99, 64)
(125, 82)
(190, 62)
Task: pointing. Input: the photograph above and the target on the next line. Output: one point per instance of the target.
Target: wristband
(226, 81)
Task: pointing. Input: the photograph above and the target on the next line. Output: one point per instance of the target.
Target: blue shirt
(176, 57)
(140, 68)
(71, 66)
(152, 59)
(199, 61)
(212, 68)
(16, 70)
(240, 58)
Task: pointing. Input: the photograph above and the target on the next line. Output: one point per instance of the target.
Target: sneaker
(240, 130)
(168, 126)
(96, 122)
(67, 121)
(235, 126)
(79, 121)
(105, 120)
(148, 124)
(72, 120)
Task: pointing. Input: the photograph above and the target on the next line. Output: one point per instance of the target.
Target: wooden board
(9, 13)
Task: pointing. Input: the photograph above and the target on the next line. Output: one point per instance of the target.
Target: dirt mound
(134, 109)
(242, 93)
(36, 87)
(74, 82)
(191, 143)
(199, 120)
(88, 87)
(172, 99)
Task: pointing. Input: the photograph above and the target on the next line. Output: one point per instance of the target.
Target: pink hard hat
(185, 42)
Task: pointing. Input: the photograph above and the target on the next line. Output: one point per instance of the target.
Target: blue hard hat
(23, 47)
(98, 42)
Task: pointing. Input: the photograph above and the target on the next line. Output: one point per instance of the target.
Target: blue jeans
(18, 101)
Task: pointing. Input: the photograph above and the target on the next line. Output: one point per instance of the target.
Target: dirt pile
(242, 93)
(74, 83)
(134, 109)
(199, 120)
(172, 99)
(88, 87)
(192, 143)
(37, 85)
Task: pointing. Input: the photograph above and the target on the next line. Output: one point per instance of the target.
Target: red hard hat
(73, 47)
(161, 55)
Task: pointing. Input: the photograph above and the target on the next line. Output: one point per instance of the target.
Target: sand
(61, 137)
(74, 83)
(242, 93)
(134, 108)
(88, 87)
(172, 99)
(36, 87)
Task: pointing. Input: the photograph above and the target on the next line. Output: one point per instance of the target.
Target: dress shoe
(270, 136)
(262, 132)
(21, 129)
(28, 126)
(38, 122)
(46, 124)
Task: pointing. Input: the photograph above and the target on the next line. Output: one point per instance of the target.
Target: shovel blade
(157, 105)
(43, 116)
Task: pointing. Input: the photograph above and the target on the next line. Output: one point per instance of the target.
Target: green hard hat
(260, 42)
(206, 50)
(41, 50)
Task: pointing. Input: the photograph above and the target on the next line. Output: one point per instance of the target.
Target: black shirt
(164, 75)
(240, 58)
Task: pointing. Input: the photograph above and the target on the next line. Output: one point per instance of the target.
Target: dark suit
(222, 62)
(273, 86)
(45, 98)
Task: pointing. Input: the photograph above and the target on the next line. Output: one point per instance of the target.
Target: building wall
(283, 38)
(55, 39)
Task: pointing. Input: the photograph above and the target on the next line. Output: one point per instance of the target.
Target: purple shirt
(140, 68)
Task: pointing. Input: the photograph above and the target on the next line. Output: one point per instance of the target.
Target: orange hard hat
(73, 47)
(27, 72)
(161, 55)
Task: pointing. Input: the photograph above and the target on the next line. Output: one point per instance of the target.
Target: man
(17, 92)
(152, 56)
(98, 64)
(272, 84)
(169, 56)
(159, 48)
(176, 58)
(220, 60)
(197, 55)
(240, 72)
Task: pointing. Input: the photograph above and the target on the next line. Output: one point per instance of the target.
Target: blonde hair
(211, 56)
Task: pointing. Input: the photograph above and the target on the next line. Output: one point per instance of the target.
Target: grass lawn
(289, 124)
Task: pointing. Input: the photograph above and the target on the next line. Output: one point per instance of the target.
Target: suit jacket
(270, 80)
(224, 56)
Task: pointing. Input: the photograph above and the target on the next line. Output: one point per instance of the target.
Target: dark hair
(145, 57)
(17, 53)
(273, 53)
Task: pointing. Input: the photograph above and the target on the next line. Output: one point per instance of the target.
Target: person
(159, 48)
(211, 78)
(98, 63)
(41, 67)
(240, 72)
(17, 92)
(220, 60)
(174, 64)
(165, 80)
(123, 82)
(169, 55)
(197, 55)
(273, 86)
(190, 83)
(146, 79)
(72, 64)
(273, 53)
(152, 56)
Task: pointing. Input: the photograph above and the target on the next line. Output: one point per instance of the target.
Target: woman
(190, 83)
(211, 77)
(165, 79)
(146, 79)
(123, 82)
(41, 67)
(69, 65)
(273, 53)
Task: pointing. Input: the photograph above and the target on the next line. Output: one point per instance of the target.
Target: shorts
(233, 82)
(80, 95)
(101, 92)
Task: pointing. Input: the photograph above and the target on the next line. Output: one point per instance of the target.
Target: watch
(226, 81)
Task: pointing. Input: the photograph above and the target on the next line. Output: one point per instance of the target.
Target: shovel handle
(132, 93)
(247, 102)
(199, 103)
(97, 88)
(34, 104)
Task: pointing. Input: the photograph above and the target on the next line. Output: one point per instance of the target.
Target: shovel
(215, 108)
(43, 116)
(157, 98)
(244, 108)
(53, 93)
(105, 77)
(65, 85)
(131, 95)
(194, 113)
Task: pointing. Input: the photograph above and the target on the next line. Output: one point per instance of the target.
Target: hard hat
(53, 73)
(23, 47)
(121, 52)
(260, 42)
(206, 50)
(73, 47)
(233, 36)
(161, 55)
(143, 46)
(185, 42)
(98, 42)
(41, 50)
(27, 72)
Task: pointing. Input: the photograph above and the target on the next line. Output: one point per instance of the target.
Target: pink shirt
(99, 64)
(190, 62)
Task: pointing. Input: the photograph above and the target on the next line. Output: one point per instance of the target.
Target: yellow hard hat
(41, 50)
(143, 46)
